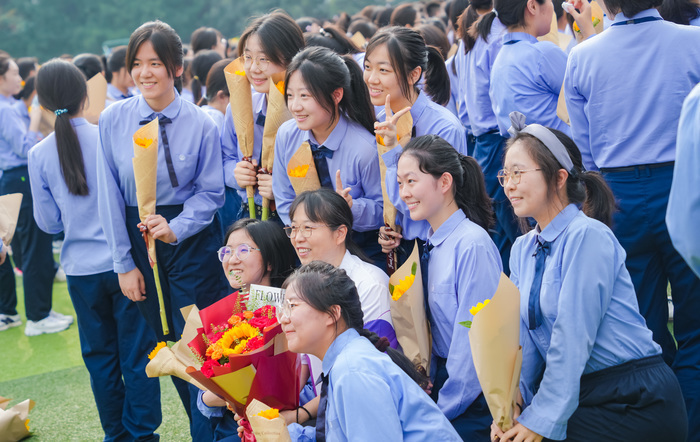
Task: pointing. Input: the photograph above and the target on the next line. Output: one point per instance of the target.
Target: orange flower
(299, 172)
(155, 351)
(247, 314)
(144, 142)
(380, 140)
(280, 87)
(26, 423)
(271, 413)
(234, 320)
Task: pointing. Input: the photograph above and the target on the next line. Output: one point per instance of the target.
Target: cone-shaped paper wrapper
(192, 323)
(165, 363)
(12, 421)
(562, 112)
(266, 430)
(597, 17)
(9, 213)
(408, 312)
(146, 173)
(553, 34)
(404, 127)
(97, 95)
(359, 39)
(495, 342)
(277, 113)
(241, 100)
(302, 163)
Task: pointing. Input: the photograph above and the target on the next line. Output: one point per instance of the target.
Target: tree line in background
(49, 28)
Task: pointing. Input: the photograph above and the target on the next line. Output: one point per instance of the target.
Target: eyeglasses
(284, 309)
(242, 252)
(515, 175)
(261, 62)
(306, 231)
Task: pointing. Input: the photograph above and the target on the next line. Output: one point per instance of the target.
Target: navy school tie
(320, 154)
(260, 121)
(424, 260)
(162, 121)
(321, 415)
(534, 312)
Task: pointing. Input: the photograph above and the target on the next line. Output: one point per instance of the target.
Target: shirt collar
(446, 229)
(619, 17)
(559, 223)
(171, 111)
(259, 103)
(518, 36)
(337, 136)
(341, 341)
(9, 100)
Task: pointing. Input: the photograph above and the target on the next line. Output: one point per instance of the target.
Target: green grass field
(49, 370)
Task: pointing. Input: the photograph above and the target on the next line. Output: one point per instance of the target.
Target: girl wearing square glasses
(590, 368)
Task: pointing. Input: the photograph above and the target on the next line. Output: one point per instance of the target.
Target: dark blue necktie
(320, 154)
(424, 260)
(260, 121)
(321, 415)
(534, 312)
(162, 121)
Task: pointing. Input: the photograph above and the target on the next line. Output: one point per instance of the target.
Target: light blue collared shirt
(196, 153)
(354, 154)
(454, 91)
(428, 119)
(232, 152)
(371, 398)
(458, 62)
(464, 269)
(527, 77)
(590, 316)
(15, 137)
(684, 201)
(474, 84)
(616, 119)
(215, 115)
(85, 250)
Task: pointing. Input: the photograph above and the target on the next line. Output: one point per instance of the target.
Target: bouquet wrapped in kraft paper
(277, 113)
(14, 422)
(9, 213)
(97, 96)
(266, 423)
(301, 170)
(145, 164)
(495, 342)
(241, 99)
(404, 129)
(408, 312)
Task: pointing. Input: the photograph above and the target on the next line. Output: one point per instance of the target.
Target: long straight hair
(61, 85)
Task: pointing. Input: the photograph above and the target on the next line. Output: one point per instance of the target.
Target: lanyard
(636, 21)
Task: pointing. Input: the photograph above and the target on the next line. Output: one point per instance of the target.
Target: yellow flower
(156, 350)
(595, 21)
(271, 413)
(26, 424)
(380, 140)
(238, 349)
(477, 308)
(299, 172)
(144, 142)
(23, 83)
(402, 287)
(280, 87)
(241, 73)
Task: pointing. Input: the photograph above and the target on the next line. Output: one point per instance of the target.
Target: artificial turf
(49, 370)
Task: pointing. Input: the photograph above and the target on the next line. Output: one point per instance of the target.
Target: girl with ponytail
(364, 393)
(588, 356)
(461, 267)
(331, 110)
(63, 175)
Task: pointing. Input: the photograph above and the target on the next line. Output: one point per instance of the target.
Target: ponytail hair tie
(382, 344)
(60, 111)
(195, 78)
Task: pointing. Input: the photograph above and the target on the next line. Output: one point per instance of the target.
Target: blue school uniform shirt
(625, 87)
(428, 118)
(229, 144)
(454, 90)
(196, 153)
(684, 201)
(474, 84)
(215, 115)
(85, 250)
(590, 316)
(527, 77)
(15, 137)
(23, 111)
(464, 269)
(458, 63)
(371, 398)
(354, 154)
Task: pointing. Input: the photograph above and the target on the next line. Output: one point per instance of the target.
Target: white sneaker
(9, 321)
(46, 325)
(60, 275)
(61, 317)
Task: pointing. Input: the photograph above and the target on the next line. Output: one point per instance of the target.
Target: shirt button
(182, 158)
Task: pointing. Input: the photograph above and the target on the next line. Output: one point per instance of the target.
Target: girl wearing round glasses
(590, 367)
(365, 395)
(267, 46)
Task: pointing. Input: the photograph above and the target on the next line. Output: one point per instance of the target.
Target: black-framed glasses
(285, 309)
(306, 231)
(261, 62)
(242, 252)
(515, 175)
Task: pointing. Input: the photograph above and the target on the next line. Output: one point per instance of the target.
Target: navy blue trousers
(38, 265)
(638, 401)
(653, 262)
(115, 340)
(228, 213)
(488, 152)
(190, 273)
(475, 423)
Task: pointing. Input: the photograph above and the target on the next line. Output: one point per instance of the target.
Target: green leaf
(467, 324)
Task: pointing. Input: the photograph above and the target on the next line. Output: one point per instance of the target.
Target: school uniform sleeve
(301, 434)
(684, 203)
(13, 131)
(367, 210)
(46, 212)
(551, 66)
(281, 186)
(229, 149)
(199, 209)
(588, 276)
(110, 202)
(576, 104)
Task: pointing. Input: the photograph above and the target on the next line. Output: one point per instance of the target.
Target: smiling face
(152, 78)
(308, 113)
(307, 330)
(382, 80)
(257, 76)
(251, 269)
(11, 81)
(530, 198)
(324, 244)
(419, 190)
